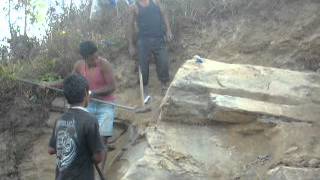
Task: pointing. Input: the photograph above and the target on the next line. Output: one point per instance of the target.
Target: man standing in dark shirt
(153, 32)
(75, 138)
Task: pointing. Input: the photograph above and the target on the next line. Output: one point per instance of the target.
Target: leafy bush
(59, 49)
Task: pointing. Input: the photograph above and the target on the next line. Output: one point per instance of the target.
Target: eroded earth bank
(250, 112)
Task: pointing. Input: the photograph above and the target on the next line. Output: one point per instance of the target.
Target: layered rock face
(230, 121)
(206, 92)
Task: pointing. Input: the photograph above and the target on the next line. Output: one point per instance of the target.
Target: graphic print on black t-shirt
(76, 139)
(66, 143)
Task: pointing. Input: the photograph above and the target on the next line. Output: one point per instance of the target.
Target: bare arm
(131, 25)
(94, 141)
(108, 76)
(131, 29)
(59, 84)
(51, 150)
(56, 84)
(52, 142)
(98, 157)
(166, 20)
(76, 68)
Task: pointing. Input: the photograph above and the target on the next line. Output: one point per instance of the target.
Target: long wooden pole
(94, 99)
(141, 87)
(99, 172)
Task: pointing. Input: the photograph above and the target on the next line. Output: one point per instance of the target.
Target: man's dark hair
(87, 48)
(75, 88)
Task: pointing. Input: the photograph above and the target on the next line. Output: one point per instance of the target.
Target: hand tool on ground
(128, 108)
(141, 88)
(99, 172)
(144, 100)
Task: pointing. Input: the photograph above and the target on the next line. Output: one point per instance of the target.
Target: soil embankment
(272, 33)
(23, 114)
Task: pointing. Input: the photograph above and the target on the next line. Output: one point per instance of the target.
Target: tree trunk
(63, 5)
(9, 19)
(90, 9)
(70, 8)
(25, 17)
(10, 26)
(89, 33)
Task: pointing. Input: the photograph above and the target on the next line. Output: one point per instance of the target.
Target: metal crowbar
(128, 108)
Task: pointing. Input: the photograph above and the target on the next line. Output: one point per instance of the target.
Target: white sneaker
(146, 95)
(147, 99)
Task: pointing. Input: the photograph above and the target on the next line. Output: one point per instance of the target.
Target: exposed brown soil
(275, 33)
(21, 120)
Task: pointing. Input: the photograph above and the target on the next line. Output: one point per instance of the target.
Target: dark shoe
(164, 88)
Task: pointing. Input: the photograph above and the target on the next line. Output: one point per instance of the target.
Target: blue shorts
(105, 114)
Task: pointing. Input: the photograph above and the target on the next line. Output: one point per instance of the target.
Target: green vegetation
(53, 57)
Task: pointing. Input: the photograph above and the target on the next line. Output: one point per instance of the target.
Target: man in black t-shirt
(75, 138)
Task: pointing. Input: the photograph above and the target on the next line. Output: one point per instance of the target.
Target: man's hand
(132, 50)
(51, 151)
(98, 157)
(44, 86)
(169, 36)
(93, 94)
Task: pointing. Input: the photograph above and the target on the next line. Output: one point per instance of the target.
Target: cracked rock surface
(237, 128)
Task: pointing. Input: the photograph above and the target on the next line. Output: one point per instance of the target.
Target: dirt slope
(277, 33)
(22, 118)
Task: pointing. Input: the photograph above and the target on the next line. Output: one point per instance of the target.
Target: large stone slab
(185, 144)
(180, 151)
(189, 152)
(256, 82)
(232, 109)
(241, 94)
(293, 173)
